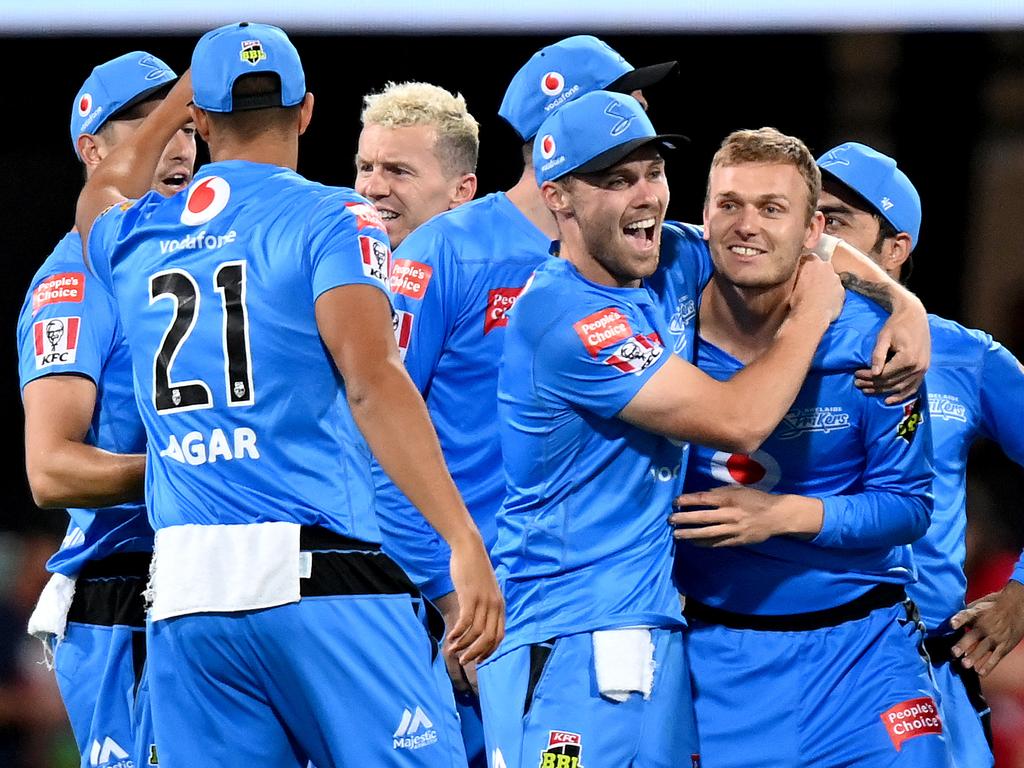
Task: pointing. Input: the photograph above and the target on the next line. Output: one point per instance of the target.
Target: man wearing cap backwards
(803, 647)
(592, 409)
(975, 389)
(417, 154)
(278, 631)
(91, 460)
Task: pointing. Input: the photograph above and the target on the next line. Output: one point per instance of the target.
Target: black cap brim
(610, 157)
(140, 97)
(641, 77)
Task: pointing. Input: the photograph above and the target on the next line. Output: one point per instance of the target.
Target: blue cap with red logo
(877, 179)
(593, 132)
(224, 54)
(114, 87)
(563, 71)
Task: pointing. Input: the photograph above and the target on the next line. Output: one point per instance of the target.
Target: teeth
(386, 214)
(642, 224)
(742, 251)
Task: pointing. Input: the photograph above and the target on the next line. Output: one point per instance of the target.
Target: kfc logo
(376, 258)
(564, 750)
(56, 341)
(499, 302)
(401, 322)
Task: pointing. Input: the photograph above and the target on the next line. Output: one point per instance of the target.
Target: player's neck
(525, 196)
(271, 151)
(743, 321)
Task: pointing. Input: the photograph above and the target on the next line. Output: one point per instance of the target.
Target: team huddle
(396, 475)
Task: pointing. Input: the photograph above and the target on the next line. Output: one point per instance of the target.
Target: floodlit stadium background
(938, 85)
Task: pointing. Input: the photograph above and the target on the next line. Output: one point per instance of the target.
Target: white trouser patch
(624, 662)
(50, 617)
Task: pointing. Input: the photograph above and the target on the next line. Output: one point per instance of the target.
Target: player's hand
(463, 678)
(481, 622)
(729, 516)
(817, 289)
(995, 625)
(901, 355)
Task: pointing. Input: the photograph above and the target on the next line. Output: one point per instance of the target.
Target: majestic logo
(499, 302)
(552, 83)
(564, 750)
(759, 470)
(638, 354)
(910, 719)
(887, 204)
(109, 754)
(497, 759)
(624, 120)
(906, 430)
(376, 258)
(401, 322)
(547, 146)
(252, 52)
(801, 421)
(56, 341)
(835, 157)
(946, 407)
(410, 278)
(155, 67)
(84, 104)
(67, 286)
(366, 215)
(205, 200)
(415, 731)
(602, 329)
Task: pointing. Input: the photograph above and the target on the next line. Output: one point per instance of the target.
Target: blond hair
(406, 104)
(768, 145)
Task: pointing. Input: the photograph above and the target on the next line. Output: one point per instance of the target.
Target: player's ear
(556, 197)
(89, 150)
(897, 251)
(465, 190)
(305, 112)
(201, 121)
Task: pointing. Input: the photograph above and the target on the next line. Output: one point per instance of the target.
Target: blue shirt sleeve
(895, 504)
(345, 248)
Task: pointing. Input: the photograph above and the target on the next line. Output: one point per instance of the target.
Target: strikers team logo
(638, 354)
(946, 407)
(376, 259)
(906, 430)
(759, 470)
(206, 198)
(499, 302)
(564, 750)
(401, 322)
(410, 278)
(910, 719)
(67, 286)
(252, 52)
(366, 215)
(552, 83)
(56, 341)
(547, 146)
(85, 104)
(602, 329)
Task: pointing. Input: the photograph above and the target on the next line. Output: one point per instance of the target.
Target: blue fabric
(962, 723)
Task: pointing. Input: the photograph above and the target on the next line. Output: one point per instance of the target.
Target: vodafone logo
(206, 199)
(547, 146)
(552, 83)
(758, 470)
(85, 104)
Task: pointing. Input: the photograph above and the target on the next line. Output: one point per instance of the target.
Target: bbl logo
(912, 418)
(252, 52)
(563, 751)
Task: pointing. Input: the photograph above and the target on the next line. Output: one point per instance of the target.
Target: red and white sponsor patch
(499, 302)
(366, 215)
(558, 738)
(910, 719)
(56, 340)
(205, 199)
(376, 258)
(638, 354)
(410, 278)
(67, 286)
(602, 329)
(759, 470)
(401, 321)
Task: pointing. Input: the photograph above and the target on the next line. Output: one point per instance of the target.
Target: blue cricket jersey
(69, 326)
(454, 279)
(975, 389)
(245, 412)
(869, 463)
(582, 539)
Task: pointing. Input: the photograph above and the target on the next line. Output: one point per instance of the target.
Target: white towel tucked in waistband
(624, 662)
(50, 617)
(223, 568)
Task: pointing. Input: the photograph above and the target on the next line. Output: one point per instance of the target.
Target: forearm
(79, 475)
(873, 519)
(862, 275)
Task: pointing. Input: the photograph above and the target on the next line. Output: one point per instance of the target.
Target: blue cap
(563, 71)
(224, 54)
(114, 86)
(876, 178)
(593, 132)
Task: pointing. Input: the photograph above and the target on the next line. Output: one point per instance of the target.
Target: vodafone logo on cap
(85, 104)
(552, 83)
(547, 146)
(758, 470)
(205, 200)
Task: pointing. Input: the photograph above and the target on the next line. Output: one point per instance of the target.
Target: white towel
(50, 617)
(624, 662)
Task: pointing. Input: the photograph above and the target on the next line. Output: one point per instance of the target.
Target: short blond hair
(769, 145)
(405, 104)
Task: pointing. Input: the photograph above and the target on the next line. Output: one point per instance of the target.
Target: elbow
(921, 519)
(46, 493)
(742, 438)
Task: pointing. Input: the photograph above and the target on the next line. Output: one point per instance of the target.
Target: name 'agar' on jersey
(195, 449)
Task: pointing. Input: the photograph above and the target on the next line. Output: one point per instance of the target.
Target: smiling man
(417, 154)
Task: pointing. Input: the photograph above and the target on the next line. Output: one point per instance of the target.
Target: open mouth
(641, 232)
(176, 181)
(746, 251)
(386, 214)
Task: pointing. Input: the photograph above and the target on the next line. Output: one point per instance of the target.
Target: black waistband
(940, 647)
(314, 538)
(122, 564)
(345, 566)
(880, 596)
